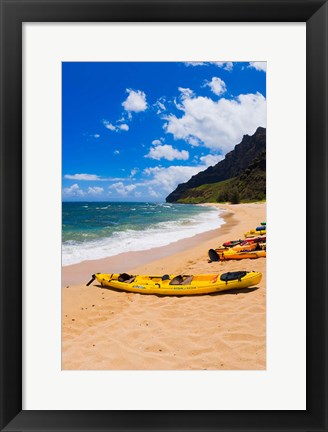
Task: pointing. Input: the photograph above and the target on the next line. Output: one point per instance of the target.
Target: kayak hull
(242, 255)
(217, 255)
(200, 284)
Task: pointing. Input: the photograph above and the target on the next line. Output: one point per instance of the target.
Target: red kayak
(233, 243)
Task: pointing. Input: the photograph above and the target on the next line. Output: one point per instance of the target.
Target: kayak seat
(187, 280)
(230, 276)
(179, 280)
(176, 280)
(124, 277)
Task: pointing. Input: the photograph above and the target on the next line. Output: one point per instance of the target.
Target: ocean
(95, 230)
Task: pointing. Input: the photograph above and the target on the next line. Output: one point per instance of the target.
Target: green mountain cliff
(239, 177)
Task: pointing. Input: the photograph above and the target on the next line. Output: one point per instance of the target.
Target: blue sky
(134, 131)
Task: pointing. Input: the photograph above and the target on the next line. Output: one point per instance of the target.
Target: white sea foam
(157, 235)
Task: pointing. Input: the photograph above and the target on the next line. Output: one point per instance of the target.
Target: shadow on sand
(228, 292)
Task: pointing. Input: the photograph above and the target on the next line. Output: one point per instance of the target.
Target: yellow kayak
(178, 284)
(254, 233)
(215, 255)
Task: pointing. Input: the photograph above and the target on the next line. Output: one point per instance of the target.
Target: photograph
(137, 290)
(164, 215)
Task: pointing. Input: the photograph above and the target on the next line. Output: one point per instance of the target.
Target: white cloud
(210, 159)
(157, 142)
(224, 65)
(121, 120)
(115, 128)
(166, 151)
(160, 105)
(219, 125)
(95, 190)
(87, 177)
(73, 191)
(153, 193)
(109, 126)
(116, 152)
(96, 136)
(130, 188)
(193, 141)
(260, 66)
(134, 171)
(185, 93)
(164, 180)
(90, 177)
(217, 85)
(136, 101)
(195, 63)
(167, 179)
(121, 189)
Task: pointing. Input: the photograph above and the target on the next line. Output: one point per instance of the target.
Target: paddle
(213, 255)
(90, 281)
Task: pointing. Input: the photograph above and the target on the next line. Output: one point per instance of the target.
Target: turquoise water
(94, 230)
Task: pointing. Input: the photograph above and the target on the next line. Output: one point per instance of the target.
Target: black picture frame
(13, 14)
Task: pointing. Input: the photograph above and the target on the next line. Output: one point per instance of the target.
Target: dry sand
(108, 330)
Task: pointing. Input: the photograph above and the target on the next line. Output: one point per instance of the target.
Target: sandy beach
(104, 329)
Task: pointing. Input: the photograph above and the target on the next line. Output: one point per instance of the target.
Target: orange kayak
(233, 243)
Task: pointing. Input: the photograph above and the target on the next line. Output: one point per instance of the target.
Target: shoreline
(81, 272)
(195, 258)
(149, 235)
(104, 329)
